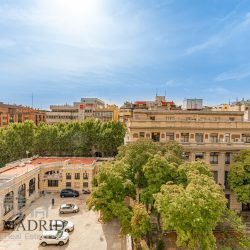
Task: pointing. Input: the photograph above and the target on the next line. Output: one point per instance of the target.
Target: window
(236, 138)
(8, 203)
(228, 200)
(226, 180)
(135, 135)
(199, 137)
(156, 137)
(213, 138)
(199, 156)
(85, 176)
(68, 176)
(227, 158)
(52, 183)
(246, 138)
(246, 207)
(227, 138)
(21, 196)
(184, 137)
(215, 175)
(169, 136)
(19, 118)
(85, 184)
(185, 156)
(12, 118)
(142, 134)
(152, 118)
(77, 176)
(68, 184)
(214, 158)
(32, 186)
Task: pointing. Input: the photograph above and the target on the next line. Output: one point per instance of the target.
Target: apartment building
(242, 105)
(23, 181)
(79, 111)
(18, 114)
(160, 103)
(109, 113)
(212, 136)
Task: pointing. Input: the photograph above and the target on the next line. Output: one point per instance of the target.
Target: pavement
(89, 233)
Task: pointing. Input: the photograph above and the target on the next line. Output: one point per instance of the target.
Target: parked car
(86, 191)
(68, 192)
(68, 208)
(14, 220)
(63, 225)
(54, 237)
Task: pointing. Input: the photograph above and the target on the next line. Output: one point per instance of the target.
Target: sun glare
(72, 16)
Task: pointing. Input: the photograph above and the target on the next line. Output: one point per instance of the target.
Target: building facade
(242, 106)
(212, 136)
(160, 103)
(22, 182)
(79, 111)
(18, 114)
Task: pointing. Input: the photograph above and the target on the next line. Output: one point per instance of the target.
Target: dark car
(86, 191)
(68, 192)
(14, 220)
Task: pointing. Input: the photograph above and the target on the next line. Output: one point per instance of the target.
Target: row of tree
(87, 138)
(169, 194)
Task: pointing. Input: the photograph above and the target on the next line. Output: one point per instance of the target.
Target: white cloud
(219, 90)
(229, 31)
(81, 35)
(237, 74)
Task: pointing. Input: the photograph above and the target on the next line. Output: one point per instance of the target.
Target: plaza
(88, 233)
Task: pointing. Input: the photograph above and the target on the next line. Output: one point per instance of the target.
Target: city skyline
(60, 51)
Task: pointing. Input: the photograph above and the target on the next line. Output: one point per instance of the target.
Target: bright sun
(72, 16)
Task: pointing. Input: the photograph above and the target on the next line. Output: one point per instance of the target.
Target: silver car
(64, 225)
(54, 238)
(68, 208)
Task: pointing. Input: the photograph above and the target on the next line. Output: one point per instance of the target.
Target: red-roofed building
(23, 181)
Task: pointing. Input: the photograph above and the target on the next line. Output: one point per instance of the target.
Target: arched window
(8, 203)
(32, 186)
(21, 196)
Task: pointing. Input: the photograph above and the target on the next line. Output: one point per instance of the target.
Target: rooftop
(18, 168)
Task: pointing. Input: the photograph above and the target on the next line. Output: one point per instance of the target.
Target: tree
(236, 238)
(111, 137)
(197, 167)
(158, 170)
(239, 176)
(192, 210)
(140, 222)
(108, 196)
(62, 139)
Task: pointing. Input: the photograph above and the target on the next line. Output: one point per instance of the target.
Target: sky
(124, 50)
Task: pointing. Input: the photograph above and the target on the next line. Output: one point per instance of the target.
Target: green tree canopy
(193, 211)
(62, 139)
(239, 176)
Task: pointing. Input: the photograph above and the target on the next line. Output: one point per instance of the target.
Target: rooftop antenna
(32, 99)
(156, 92)
(165, 93)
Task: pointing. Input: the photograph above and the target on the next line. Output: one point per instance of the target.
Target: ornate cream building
(22, 182)
(213, 136)
(79, 111)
